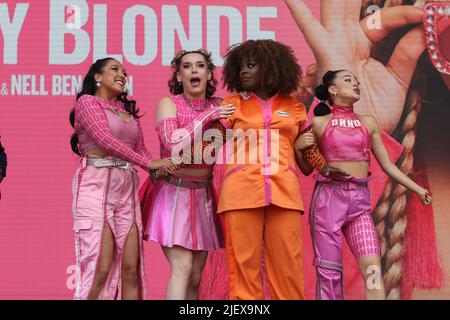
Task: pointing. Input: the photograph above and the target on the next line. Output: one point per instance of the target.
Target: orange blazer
(266, 173)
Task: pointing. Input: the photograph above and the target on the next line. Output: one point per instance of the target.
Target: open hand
(341, 41)
(166, 164)
(305, 140)
(227, 110)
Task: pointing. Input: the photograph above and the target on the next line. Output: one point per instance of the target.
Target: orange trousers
(276, 228)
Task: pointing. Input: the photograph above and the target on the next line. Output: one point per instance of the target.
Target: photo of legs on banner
(106, 211)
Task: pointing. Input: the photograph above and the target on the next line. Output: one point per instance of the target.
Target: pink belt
(107, 162)
(350, 184)
(183, 182)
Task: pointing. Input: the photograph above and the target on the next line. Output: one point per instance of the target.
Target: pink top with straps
(193, 117)
(98, 128)
(345, 137)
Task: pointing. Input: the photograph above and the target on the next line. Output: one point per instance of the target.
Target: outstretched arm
(388, 167)
(315, 34)
(91, 116)
(333, 12)
(169, 132)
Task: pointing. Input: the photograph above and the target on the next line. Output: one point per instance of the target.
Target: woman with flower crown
(182, 217)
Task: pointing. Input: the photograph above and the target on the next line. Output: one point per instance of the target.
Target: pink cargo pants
(340, 209)
(104, 196)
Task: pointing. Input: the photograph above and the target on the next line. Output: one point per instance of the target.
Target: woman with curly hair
(260, 197)
(182, 213)
(106, 214)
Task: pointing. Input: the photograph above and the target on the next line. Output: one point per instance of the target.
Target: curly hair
(279, 69)
(176, 87)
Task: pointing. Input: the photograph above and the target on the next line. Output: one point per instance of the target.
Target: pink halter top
(345, 137)
(126, 131)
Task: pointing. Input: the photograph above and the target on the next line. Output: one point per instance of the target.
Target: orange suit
(260, 197)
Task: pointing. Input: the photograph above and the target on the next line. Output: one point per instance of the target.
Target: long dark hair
(323, 95)
(176, 87)
(89, 87)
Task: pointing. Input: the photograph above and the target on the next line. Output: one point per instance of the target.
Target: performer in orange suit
(260, 194)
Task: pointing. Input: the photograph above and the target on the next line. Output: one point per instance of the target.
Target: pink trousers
(105, 196)
(340, 209)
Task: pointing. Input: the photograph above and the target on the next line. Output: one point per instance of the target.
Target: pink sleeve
(91, 116)
(140, 146)
(305, 126)
(172, 136)
(226, 123)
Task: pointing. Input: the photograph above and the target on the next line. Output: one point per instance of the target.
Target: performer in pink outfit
(183, 215)
(106, 211)
(341, 208)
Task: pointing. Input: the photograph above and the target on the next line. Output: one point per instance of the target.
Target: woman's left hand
(425, 196)
(161, 172)
(305, 140)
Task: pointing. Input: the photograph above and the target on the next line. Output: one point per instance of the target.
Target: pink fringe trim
(421, 266)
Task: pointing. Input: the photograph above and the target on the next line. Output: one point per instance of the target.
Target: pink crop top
(345, 137)
(193, 116)
(98, 128)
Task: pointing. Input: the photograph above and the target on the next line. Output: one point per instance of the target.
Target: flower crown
(180, 54)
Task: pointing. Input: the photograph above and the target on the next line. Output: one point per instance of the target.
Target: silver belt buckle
(126, 165)
(121, 164)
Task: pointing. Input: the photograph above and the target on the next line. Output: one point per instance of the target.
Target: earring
(98, 84)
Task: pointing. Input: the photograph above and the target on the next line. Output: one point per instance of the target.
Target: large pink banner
(45, 50)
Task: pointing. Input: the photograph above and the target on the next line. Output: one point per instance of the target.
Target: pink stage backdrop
(45, 50)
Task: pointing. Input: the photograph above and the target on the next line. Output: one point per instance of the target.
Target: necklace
(202, 108)
(116, 108)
